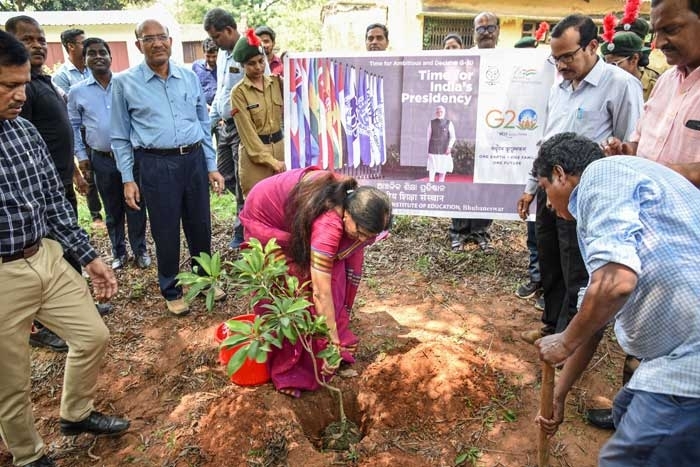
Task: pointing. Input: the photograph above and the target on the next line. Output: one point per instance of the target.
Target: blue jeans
(533, 265)
(653, 430)
(108, 180)
(176, 189)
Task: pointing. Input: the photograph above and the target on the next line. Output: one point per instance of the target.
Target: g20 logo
(510, 120)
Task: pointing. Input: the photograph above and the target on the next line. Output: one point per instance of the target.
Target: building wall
(117, 28)
(344, 25)
(344, 22)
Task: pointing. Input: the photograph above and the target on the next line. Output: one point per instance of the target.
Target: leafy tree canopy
(67, 5)
(297, 23)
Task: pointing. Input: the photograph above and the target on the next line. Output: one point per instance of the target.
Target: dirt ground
(442, 377)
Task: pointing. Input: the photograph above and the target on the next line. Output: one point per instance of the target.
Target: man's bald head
(148, 22)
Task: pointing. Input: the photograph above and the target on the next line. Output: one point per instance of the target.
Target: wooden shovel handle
(546, 410)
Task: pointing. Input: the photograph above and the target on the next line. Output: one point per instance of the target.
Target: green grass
(84, 217)
(223, 209)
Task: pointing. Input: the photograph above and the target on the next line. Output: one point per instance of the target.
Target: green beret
(640, 27)
(247, 47)
(526, 42)
(623, 44)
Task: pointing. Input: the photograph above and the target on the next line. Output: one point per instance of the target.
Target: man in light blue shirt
(595, 100)
(74, 70)
(160, 122)
(221, 28)
(71, 72)
(639, 230)
(89, 107)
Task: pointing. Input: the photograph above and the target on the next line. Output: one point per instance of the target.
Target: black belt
(109, 154)
(26, 252)
(179, 151)
(273, 138)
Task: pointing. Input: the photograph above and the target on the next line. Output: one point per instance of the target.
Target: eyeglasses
(617, 63)
(484, 29)
(563, 58)
(153, 39)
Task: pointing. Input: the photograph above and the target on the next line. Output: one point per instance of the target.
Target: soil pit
(441, 372)
(405, 403)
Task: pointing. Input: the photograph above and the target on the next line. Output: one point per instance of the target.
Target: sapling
(262, 275)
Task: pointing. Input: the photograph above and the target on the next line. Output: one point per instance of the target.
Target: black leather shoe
(104, 308)
(96, 424)
(43, 337)
(43, 461)
(600, 418)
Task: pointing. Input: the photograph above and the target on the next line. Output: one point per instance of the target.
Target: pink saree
(333, 252)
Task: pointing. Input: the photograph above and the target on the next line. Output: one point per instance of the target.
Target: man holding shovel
(638, 228)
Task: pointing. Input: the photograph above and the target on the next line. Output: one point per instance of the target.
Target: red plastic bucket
(251, 373)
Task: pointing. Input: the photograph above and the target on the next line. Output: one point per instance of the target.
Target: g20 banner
(444, 133)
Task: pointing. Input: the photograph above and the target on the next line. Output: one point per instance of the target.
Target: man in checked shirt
(37, 282)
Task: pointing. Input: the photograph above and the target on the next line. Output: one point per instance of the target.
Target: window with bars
(435, 29)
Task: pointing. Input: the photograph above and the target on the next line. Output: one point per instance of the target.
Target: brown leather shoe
(178, 307)
(219, 293)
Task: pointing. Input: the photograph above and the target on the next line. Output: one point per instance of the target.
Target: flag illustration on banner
(310, 156)
(324, 143)
(363, 119)
(336, 116)
(314, 109)
(375, 157)
(340, 77)
(335, 126)
(379, 121)
(295, 117)
(328, 99)
(352, 141)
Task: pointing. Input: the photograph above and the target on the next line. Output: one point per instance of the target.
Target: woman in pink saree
(322, 221)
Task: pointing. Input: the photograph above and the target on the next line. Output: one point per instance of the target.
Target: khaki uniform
(648, 79)
(257, 113)
(47, 288)
(657, 61)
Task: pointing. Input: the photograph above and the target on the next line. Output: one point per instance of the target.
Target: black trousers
(67, 255)
(227, 164)
(175, 189)
(92, 197)
(463, 230)
(108, 180)
(561, 265)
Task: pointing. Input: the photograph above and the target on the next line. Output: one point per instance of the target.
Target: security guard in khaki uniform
(256, 106)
